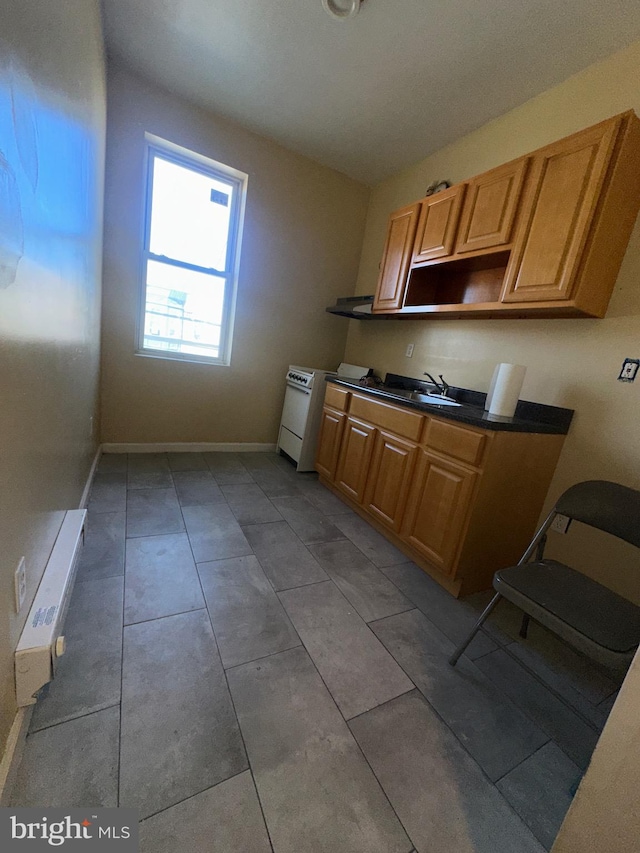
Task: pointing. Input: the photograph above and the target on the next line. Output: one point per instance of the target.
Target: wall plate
(629, 370)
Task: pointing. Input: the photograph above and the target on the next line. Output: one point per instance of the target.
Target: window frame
(156, 146)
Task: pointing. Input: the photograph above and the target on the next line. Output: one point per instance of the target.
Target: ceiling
(375, 93)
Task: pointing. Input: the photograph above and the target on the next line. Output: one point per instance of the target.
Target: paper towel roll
(492, 385)
(507, 389)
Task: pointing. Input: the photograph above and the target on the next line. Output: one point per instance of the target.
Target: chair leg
(524, 627)
(453, 660)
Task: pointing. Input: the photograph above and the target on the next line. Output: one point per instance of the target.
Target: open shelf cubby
(459, 282)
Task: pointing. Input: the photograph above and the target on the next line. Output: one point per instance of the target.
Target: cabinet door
(353, 465)
(437, 225)
(395, 259)
(564, 187)
(389, 478)
(331, 428)
(437, 509)
(490, 207)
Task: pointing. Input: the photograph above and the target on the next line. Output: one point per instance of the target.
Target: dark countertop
(529, 417)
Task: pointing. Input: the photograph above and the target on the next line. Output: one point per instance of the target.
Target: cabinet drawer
(337, 398)
(399, 421)
(459, 442)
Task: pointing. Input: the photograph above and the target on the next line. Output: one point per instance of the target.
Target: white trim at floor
(190, 447)
(87, 486)
(13, 753)
(15, 744)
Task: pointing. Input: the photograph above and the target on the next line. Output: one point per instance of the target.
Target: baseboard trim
(13, 753)
(189, 447)
(87, 486)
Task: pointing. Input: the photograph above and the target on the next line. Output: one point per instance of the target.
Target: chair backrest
(607, 506)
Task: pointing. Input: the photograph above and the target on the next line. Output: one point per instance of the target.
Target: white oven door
(296, 409)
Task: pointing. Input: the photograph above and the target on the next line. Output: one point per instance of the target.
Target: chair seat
(583, 605)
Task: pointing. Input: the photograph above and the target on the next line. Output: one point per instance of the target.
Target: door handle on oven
(298, 388)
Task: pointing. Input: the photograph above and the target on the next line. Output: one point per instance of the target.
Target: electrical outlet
(409, 350)
(560, 523)
(20, 584)
(629, 370)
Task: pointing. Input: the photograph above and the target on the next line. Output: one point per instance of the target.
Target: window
(192, 234)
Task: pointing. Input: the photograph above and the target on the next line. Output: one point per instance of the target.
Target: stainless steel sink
(434, 399)
(419, 397)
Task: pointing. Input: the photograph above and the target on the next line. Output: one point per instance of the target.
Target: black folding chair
(592, 618)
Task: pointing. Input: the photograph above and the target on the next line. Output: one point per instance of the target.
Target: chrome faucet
(442, 387)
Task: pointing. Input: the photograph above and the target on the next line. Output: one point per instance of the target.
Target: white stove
(302, 411)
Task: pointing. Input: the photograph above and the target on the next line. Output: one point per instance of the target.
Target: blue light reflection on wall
(47, 185)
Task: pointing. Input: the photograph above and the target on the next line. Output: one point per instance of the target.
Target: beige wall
(302, 237)
(571, 363)
(52, 104)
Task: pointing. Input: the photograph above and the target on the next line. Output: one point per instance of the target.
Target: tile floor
(254, 668)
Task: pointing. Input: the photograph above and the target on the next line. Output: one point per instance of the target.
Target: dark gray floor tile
(308, 522)
(112, 463)
(161, 578)
(179, 732)
(539, 790)
(323, 499)
(562, 725)
(274, 483)
(606, 706)
(248, 619)
(226, 818)
(258, 461)
(453, 617)
(153, 511)
(102, 555)
(493, 729)
(285, 560)
(317, 791)
(88, 674)
(149, 480)
(227, 468)
(195, 488)
(565, 670)
(187, 461)
(71, 765)
(148, 463)
(108, 493)
(372, 544)
(578, 679)
(444, 801)
(371, 593)
(249, 504)
(214, 533)
(356, 668)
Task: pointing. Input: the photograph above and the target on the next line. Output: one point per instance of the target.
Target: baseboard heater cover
(42, 642)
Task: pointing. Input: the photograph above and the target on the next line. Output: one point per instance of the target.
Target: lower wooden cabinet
(329, 439)
(460, 501)
(389, 478)
(353, 463)
(438, 508)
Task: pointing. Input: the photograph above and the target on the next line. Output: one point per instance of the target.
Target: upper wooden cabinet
(563, 196)
(542, 236)
(437, 224)
(490, 207)
(396, 258)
